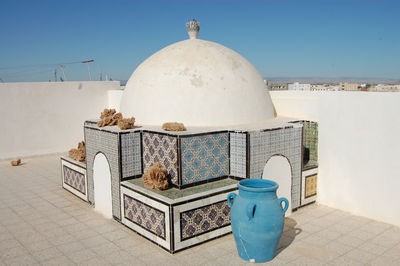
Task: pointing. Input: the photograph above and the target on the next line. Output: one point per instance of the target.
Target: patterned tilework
(174, 193)
(162, 149)
(310, 138)
(106, 143)
(238, 154)
(145, 216)
(204, 219)
(311, 186)
(286, 142)
(204, 157)
(74, 179)
(131, 154)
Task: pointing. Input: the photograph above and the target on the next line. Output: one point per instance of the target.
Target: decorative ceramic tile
(131, 154)
(163, 149)
(204, 157)
(145, 216)
(74, 179)
(311, 186)
(107, 143)
(283, 141)
(238, 148)
(174, 193)
(201, 220)
(310, 139)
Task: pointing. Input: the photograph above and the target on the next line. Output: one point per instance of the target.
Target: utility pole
(55, 74)
(62, 69)
(101, 74)
(88, 65)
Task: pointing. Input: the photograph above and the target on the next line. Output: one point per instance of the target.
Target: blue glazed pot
(257, 219)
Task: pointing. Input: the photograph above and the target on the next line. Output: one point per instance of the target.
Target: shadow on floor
(289, 234)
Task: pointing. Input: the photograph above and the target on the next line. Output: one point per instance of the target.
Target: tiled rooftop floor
(41, 223)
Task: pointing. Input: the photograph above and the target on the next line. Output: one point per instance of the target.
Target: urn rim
(258, 185)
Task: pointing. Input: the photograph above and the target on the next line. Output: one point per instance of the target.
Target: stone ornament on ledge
(193, 28)
(78, 154)
(16, 162)
(109, 117)
(156, 177)
(173, 126)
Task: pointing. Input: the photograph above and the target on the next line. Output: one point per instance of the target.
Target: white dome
(198, 83)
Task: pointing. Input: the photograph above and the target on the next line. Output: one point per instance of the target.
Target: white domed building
(231, 133)
(198, 83)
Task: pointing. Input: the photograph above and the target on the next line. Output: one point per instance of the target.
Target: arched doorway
(102, 185)
(278, 169)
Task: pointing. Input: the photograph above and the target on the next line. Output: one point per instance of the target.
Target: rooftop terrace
(41, 223)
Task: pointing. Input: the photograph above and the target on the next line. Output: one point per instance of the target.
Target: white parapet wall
(359, 147)
(47, 117)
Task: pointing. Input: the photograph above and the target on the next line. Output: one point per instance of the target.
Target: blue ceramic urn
(257, 219)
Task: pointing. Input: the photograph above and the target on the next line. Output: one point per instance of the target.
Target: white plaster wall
(102, 185)
(114, 99)
(278, 169)
(359, 145)
(47, 117)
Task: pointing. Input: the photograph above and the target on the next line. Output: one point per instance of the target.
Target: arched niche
(278, 169)
(102, 185)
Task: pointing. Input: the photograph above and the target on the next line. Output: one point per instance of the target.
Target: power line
(40, 65)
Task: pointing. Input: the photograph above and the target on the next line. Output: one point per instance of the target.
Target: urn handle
(286, 204)
(251, 210)
(231, 197)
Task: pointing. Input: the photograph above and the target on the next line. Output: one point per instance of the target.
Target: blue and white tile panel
(131, 162)
(162, 241)
(238, 154)
(204, 157)
(305, 174)
(284, 141)
(162, 149)
(180, 243)
(74, 179)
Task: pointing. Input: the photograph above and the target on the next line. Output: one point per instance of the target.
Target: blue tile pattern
(131, 164)
(74, 179)
(163, 149)
(238, 154)
(204, 219)
(204, 157)
(284, 141)
(147, 217)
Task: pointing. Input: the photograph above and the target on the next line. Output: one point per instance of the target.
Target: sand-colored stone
(156, 177)
(173, 126)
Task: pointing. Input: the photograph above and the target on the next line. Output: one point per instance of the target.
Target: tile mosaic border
(107, 143)
(310, 199)
(180, 243)
(130, 156)
(285, 141)
(79, 169)
(207, 230)
(165, 243)
(163, 213)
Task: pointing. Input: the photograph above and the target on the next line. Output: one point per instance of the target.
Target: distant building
(386, 88)
(299, 86)
(346, 86)
(324, 87)
(276, 86)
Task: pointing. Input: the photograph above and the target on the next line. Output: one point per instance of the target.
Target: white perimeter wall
(359, 148)
(47, 117)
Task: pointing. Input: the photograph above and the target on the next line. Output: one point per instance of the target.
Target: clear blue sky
(318, 38)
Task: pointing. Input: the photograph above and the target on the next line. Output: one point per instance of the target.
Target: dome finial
(193, 28)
